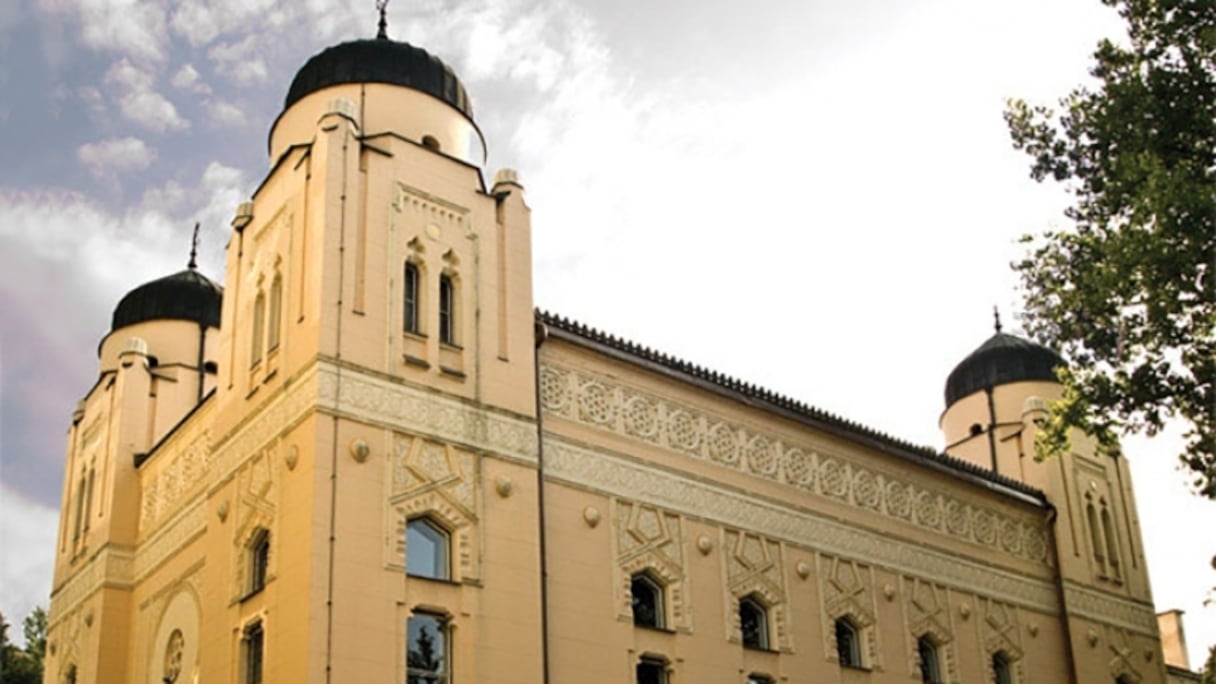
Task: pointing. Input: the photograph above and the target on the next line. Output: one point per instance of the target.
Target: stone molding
(172, 537)
(113, 566)
(753, 565)
(649, 539)
(438, 481)
(601, 471)
(1131, 615)
(659, 422)
(847, 590)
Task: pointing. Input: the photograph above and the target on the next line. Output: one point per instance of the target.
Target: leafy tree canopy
(1126, 291)
(23, 666)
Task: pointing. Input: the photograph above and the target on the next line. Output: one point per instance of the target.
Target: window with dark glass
(1108, 533)
(447, 310)
(259, 329)
(848, 643)
(411, 298)
(647, 601)
(757, 678)
(930, 669)
(427, 649)
(753, 623)
(273, 323)
(259, 560)
(651, 671)
(426, 549)
(254, 651)
(1001, 672)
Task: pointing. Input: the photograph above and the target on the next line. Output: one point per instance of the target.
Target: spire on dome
(193, 264)
(381, 7)
(996, 318)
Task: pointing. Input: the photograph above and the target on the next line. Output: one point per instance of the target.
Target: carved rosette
(753, 567)
(440, 481)
(649, 539)
(847, 589)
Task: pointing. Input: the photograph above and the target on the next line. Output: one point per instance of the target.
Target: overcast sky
(819, 197)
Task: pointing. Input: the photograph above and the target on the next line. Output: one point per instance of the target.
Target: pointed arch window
(88, 499)
(848, 643)
(1095, 534)
(1002, 672)
(259, 329)
(426, 549)
(427, 649)
(253, 646)
(753, 623)
(259, 560)
(273, 319)
(930, 665)
(647, 598)
(410, 319)
(447, 310)
(1112, 549)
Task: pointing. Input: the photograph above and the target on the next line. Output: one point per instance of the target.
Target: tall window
(274, 325)
(848, 643)
(259, 329)
(930, 669)
(753, 623)
(259, 560)
(651, 670)
(427, 649)
(88, 500)
(1001, 671)
(411, 298)
(447, 310)
(1108, 532)
(1095, 535)
(79, 508)
(253, 650)
(647, 601)
(426, 549)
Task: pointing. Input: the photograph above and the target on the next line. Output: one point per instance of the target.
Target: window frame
(274, 314)
(253, 653)
(762, 640)
(258, 557)
(440, 537)
(447, 310)
(852, 656)
(410, 299)
(444, 630)
(659, 595)
(656, 664)
(1002, 668)
(928, 657)
(257, 330)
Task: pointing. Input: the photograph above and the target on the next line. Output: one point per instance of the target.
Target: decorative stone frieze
(1135, 616)
(666, 424)
(647, 539)
(166, 488)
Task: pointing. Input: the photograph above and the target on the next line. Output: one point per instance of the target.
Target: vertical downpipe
(333, 458)
(1052, 516)
(541, 334)
(991, 427)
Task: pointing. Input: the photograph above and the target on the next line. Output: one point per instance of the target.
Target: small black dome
(1001, 360)
(188, 296)
(380, 60)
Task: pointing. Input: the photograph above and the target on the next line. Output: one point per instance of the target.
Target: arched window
(648, 609)
(447, 310)
(88, 500)
(259, 560)
(848, 643)
(427, 649)
(426, 549)
(1002, 673)
(253, 646)
(753, 623)
(1095, 535)
(79, 517)
(274, 325)
(259, 329)
(651, 670)
(930, 668)
(411, 298)
(1108, 533)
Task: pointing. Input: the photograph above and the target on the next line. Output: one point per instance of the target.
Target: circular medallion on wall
(173, 656)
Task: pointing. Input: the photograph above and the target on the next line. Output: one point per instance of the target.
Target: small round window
(173, 656)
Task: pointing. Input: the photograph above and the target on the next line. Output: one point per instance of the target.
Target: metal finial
(381, 6)
(996, 318)
(194, 249)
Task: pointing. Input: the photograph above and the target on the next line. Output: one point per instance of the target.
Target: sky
(817, 197)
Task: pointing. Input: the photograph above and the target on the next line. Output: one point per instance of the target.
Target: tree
(22, 666)
(1126, 291)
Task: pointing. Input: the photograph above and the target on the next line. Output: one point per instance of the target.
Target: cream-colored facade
(240, 488)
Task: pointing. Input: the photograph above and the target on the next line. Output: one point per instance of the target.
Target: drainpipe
(1052, 515)
(541, 333)
(991, 427)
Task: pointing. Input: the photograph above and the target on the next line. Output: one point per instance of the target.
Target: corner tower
(996, 399)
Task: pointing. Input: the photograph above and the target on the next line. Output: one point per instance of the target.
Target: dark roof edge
(142, 458)
(760, 397)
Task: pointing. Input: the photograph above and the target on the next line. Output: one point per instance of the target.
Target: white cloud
(139, 101)
(225, 114)
(106, 158)
(202, 21)
(187, 78)
(27, 533)
(129, 27)
(241, 61)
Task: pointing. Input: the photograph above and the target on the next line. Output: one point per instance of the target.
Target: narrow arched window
(651, 670)
(259, 329)
(259, 560)
(930, 668)
(1095, 535)
(426, 549)
(427, 649)
(753, 623)
(848, 643)
(1112, 549)
(273, 322)
(1002, 673)
(447, 310)
(411, 298)
(88, 500)
(648, 609)
(253, 646)
(79, 517)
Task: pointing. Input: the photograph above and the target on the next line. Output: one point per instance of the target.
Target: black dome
(379, 60)
(188, 296)
(1002, 359)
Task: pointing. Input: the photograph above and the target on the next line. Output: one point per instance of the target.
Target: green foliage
(1127, 291)
(23, 666)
